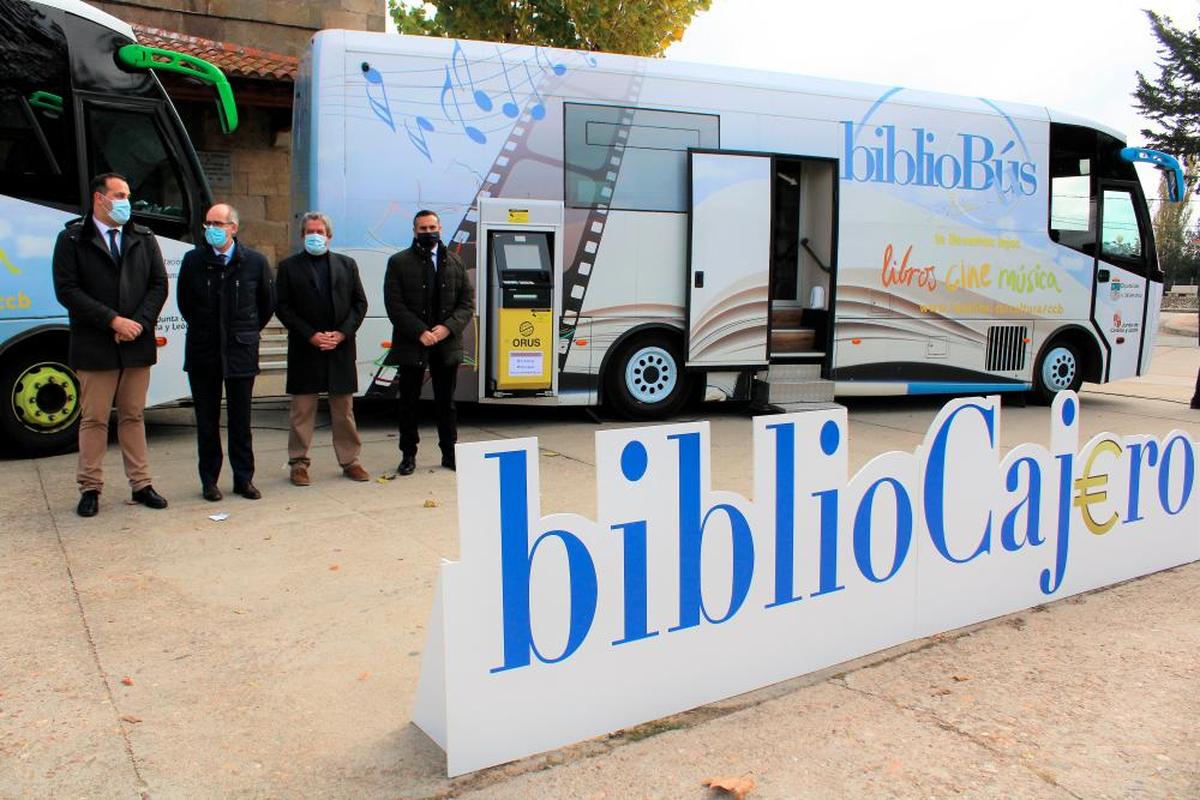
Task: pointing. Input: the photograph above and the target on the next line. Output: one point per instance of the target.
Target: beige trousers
(302, 418)
(98, 390)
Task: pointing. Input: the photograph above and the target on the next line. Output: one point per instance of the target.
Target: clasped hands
(436, 334)
(327, 340)
(125, 329)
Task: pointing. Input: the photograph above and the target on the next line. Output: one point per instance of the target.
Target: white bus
(78, 97)
(640, 228)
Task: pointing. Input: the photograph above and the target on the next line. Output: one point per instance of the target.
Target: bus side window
(1120, 235)
(130, 142)
(37, 131)
(1072, 221)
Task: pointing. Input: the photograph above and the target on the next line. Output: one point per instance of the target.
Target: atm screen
(523, 256)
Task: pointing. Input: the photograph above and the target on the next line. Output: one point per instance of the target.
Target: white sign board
(554, 629)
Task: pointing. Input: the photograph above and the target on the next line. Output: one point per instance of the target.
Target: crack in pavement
(950, 727)
(142, 786)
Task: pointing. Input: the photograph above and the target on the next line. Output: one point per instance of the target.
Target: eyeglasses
(215, 223)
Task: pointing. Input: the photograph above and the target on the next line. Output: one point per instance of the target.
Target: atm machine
(520, 302)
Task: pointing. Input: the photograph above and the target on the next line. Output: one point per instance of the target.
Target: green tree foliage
(1178, 254)
(636, 27)
(1171, 99)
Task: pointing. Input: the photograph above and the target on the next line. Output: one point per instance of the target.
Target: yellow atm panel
(526, 349)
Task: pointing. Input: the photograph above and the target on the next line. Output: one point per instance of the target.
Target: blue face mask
(315, 244)
(120, 211)
(215, 236)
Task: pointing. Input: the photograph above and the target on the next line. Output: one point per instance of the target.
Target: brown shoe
(300, 475)
(355, 472)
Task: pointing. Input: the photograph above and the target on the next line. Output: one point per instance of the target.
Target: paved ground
(276, 654)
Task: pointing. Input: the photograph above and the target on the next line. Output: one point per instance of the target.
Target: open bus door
(729, 263)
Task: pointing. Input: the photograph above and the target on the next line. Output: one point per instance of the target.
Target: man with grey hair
(226, 294)
(322, 303)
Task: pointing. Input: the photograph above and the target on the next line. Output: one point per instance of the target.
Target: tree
(1172, 100)
(635, 27)
(1177, 252)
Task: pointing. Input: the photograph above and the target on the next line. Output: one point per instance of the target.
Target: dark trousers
(206, 395)
(443, 379)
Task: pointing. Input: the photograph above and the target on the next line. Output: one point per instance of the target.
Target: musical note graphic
(510, 108)
(418, 137)
(481, 99)
(539, 108)
(381, 107)
(539, 56)
(476, 135)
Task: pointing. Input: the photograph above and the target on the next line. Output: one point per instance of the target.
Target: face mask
(428, 240)
(315, 244)
(120, 211)
(215, 236)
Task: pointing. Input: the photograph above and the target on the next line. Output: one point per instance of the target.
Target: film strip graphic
(576, 279)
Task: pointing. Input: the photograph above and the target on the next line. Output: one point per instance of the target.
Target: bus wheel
(39, 405)
(645, 379)
(1059, 369)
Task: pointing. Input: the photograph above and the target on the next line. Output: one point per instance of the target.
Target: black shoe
(1196, 403)
(211, 493)
(408, 465)
(448, 460)
(149, 498)
(89, 504)
(248, 491)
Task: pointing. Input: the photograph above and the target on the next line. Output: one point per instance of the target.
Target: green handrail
(139, 56)
(47, 101)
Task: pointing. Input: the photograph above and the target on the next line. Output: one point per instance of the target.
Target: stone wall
(260, 169)
(275, 25)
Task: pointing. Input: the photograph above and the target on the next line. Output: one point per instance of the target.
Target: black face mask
(428, 240)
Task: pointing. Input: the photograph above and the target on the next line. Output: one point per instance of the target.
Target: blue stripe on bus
(966, 388)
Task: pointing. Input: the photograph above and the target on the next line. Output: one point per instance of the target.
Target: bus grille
(1006, 348)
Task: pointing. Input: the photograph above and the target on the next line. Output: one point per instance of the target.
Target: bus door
(729, 259)
(1119, 306)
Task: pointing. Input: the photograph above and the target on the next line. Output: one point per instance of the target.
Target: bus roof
(435, 47)
(81, 9)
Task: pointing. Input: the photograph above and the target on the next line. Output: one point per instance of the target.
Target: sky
(1076, 56)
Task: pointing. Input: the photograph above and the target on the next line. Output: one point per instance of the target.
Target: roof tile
(233, 59)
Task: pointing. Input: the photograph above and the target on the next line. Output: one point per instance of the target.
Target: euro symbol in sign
(1084, 485)
(526, 328)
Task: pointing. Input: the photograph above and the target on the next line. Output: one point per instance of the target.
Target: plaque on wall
(218, 167)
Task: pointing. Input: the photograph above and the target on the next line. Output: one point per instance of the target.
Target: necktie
(112, 245)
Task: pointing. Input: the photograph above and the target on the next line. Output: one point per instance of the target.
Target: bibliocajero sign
(551, 629)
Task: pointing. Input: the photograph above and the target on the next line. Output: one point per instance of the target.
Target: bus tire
(39, 403)
(1060, 368)
(645, 378)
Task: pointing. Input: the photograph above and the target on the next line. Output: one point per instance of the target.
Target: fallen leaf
(363, 676)
(385, 477)
(128, 681)
(334, 568)
(238, 611)
(431, 503)
(130, 718)
(960, 678)
(737, 787)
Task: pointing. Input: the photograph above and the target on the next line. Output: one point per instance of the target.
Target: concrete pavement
(276, 653)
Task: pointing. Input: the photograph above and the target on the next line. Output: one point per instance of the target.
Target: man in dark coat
(109, 275)
(226, 294)
(430, 301)
(322, 303)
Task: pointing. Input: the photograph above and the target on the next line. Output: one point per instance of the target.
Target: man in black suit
(226, 294)
(322, 303)
(109, 275)
(430, 301)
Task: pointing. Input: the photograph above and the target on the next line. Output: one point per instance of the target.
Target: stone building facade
(251, 167)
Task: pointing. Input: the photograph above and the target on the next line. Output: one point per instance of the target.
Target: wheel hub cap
(651, 375)
(45, 397)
